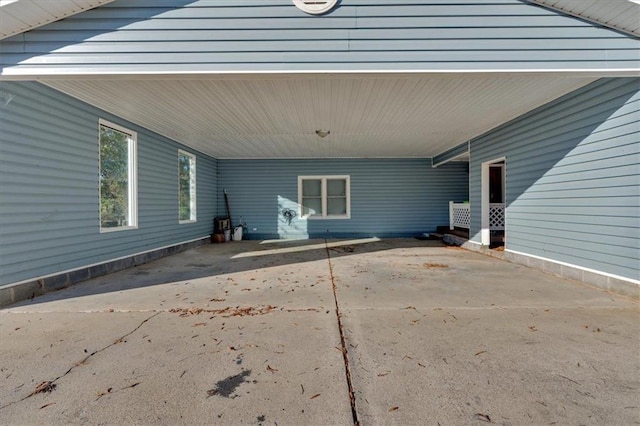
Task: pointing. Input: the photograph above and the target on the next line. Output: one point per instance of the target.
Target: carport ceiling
(368, 115)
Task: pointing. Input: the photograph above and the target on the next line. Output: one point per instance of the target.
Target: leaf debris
(43, 387)
(430, 265)
(225, 312)
(483, 417)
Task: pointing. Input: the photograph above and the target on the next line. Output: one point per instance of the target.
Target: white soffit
(18, 16)
(623, 15)
(367, 115)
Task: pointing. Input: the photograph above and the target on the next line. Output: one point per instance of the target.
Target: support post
(451, 225)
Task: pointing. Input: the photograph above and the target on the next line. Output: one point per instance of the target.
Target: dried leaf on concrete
(393, 409)
(45, 387)
(483, 417)
(225, 312)
(430, 265)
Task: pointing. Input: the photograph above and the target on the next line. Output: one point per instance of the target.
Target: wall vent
(315, 7)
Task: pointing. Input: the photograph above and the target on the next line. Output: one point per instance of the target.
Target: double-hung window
(186, 187)
(118, 178)
(324, 197)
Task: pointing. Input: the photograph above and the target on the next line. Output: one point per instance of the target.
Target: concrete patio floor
(397, 331)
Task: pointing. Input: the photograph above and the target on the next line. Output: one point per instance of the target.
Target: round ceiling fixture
(315, 7)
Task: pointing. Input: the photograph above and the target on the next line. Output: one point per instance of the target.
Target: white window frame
(323, 179)
(132, 163)
(193, 201)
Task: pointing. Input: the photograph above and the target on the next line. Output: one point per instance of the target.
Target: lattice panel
(496, 217)
(462, 216)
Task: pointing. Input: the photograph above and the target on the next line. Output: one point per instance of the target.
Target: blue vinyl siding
(49, 190)
(389, 197)
(359, 35)
(573, 178)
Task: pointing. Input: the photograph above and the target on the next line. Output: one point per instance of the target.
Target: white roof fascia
(620, 15)
(19, 16)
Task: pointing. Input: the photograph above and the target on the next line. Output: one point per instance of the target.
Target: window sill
(119, 228)
(182, 222)
(333, 217)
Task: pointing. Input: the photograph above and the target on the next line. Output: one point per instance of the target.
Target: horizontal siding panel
(624, 247)
(559, 220)
(331, 45)
(203, 36)
(334, 56)
(570, 209)
(590, 187)
(263, 9)
(557, 227)
(388, 197)
(603, 169)
(605, 164)
(580, 205)
(573, 178)
(33, 41)
(49, 205)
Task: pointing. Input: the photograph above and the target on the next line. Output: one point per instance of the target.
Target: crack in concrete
(345, 354)
(51, 384)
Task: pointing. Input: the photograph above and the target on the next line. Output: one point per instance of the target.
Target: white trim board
(10, 74)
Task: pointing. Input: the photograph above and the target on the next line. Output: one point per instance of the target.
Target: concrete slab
(173, 369)
(246, 332)
(445, 336)
(287, 274)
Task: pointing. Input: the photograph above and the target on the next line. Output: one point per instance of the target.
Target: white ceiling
(367, 115)
(623, 15)
(18, 16)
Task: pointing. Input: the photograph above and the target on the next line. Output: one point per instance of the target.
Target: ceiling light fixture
(323, 133)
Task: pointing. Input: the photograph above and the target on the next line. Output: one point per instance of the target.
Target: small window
(186, 187)
(315, 7)
(324, 197)
(118, 186)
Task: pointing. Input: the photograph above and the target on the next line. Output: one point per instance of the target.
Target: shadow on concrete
(213, 260)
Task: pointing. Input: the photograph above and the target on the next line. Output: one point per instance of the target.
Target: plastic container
(227, 235)
(237, 233)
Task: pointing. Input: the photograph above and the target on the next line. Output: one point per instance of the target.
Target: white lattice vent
(496, 216)
(315, 7)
